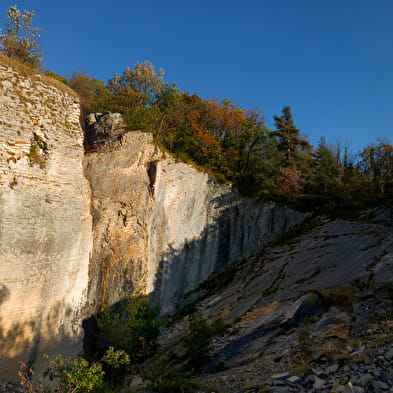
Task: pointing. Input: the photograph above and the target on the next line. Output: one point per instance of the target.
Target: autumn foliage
(235, 145)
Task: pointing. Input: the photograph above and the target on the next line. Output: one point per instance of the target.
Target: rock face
(161, 226)
(321, 299)
(45, 222)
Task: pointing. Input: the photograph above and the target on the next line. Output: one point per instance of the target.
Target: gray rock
(382, 385)
(332, 369)
(293, 379)
(389, 377)
(348, 388)
(280, 377)
(364, 380)
(389, 354)
(318, 382)
(278, 382)
(102, 127)
(308, 306)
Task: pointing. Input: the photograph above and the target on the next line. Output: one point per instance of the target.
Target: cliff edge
(160, 225)
(45, 222)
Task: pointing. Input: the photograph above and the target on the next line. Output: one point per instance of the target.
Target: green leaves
(75, 375)
(78, 375)
(131, 326)
(20, 39)
(197, 341)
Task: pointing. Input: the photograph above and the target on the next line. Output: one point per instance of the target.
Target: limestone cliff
(45, 222)
(152, 224)
(160, 225)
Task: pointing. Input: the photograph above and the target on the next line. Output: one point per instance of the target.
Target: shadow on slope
(241, 229)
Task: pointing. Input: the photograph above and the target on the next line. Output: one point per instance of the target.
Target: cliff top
(35, 74)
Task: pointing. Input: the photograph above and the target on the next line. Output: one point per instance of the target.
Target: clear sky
(331, 61)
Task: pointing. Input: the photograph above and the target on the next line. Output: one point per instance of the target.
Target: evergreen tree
(326, 170)
(290, 142)
(293, 149)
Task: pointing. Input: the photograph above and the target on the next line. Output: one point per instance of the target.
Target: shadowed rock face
(162, 226)
(101, 126)
(45, 223)
(308, 298)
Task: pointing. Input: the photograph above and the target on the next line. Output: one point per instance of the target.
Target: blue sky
(331, 61)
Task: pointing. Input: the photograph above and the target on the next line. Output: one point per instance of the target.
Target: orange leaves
(289, 183)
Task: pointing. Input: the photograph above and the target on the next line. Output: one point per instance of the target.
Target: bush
(132, 326)
(162, 378)
(58, 77)
(75, 375)
(78, 375)
(197, 342)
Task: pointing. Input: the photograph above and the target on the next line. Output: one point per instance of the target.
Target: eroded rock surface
(45, 222)
(162, 226)
(318, 300)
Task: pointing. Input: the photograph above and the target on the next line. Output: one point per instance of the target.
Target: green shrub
(132, 326)
(35, 156)
(197, 342)
(56, 76)
(75, 375)
(78, 375)
(162, 378)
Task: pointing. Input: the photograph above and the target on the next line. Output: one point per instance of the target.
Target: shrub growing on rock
(197, 342)
(132, 326)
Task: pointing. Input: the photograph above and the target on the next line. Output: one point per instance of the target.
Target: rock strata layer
(45, 222)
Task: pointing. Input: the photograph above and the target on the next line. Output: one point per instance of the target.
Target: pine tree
(292, 148)
(326, 170)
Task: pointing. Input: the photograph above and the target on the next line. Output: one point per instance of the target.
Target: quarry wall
(160, 225)
(79, 231)
(45, 222)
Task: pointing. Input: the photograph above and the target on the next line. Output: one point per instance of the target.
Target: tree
(294, 149)
(139, 85)
(132, 326)
(289, 183)
(377, 168)
(326, 170)
(197, 341)
(20, 39)
(134, 93)
(94, 95)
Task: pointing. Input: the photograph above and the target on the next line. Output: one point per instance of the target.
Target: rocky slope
(45, 222)
(316, 306)
(160, 225)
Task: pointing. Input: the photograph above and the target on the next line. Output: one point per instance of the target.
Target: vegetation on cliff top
(237, 146)
(232, 143)
(20, 39)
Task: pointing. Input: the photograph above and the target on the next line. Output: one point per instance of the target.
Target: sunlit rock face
(45, 222)
(161, 226)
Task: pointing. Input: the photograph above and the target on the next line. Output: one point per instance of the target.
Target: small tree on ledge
(20, 39)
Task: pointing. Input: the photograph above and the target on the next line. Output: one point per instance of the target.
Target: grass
(35, 74)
